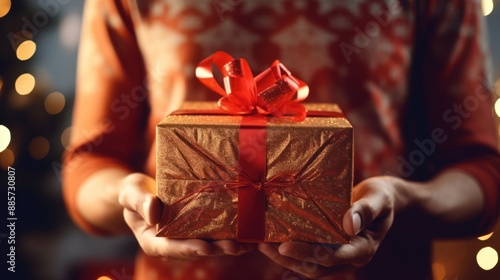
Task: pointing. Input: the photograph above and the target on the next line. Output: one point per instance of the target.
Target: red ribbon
(273, 92)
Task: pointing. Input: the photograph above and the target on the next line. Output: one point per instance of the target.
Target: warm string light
(25, 84)
(54, 103)
(4, 138)
(25, 50)
(487, 6)
(4, 7)
(438, 271)
(39, 147)
(69, 30)
(485, 237)
(6, 159)
(487, 258)
(497, 107)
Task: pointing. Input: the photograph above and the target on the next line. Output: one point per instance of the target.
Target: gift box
(258, 166)
(307, 186)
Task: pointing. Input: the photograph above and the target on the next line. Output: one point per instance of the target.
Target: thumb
(372, 203)
(352, 223)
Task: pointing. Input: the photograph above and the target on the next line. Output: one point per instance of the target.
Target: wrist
(97, 202)
(409, 194)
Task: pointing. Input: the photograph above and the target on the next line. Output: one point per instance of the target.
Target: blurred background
(37, 75)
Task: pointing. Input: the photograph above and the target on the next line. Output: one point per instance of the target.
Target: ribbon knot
(275, 184)
(273, 92)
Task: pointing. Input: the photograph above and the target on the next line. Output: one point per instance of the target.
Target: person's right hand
(142, 213)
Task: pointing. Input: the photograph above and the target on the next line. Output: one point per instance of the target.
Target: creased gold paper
(195, 151)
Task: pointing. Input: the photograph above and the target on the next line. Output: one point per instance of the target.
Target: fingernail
(229, 252)
(286, 252)
(201, 253)
(145, 211)
(356, 223)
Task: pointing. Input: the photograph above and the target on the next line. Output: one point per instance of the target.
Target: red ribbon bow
(273, 92)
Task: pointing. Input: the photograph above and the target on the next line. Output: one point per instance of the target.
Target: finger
(305, 266)
(372, 202)
(271, 251)
(230, 247)
(321, 254)
(165, 247)
(358, 253)
(352, 223)
(146, 182)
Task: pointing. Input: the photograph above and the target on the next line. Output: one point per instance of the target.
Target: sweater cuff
(486, 171)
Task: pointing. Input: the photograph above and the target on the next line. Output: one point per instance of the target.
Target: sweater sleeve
(453, 80)
(111, 103)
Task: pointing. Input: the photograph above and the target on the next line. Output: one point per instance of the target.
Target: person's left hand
(367, 221)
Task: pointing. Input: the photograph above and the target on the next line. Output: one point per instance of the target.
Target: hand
(142, 213)
(367, 221)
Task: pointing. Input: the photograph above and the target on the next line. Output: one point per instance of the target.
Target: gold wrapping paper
(194, 151)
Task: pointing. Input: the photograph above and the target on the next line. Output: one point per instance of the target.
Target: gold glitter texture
(197, 159)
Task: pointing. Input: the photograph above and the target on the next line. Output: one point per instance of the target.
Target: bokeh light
(4, 7)
(39, 147)
(438, 271)
(487, 6)
(25, 84)
(487, 258)
(26, 50)
(69, 30)
(54, 103)
(497, 107)
(65, 137)
(104, 278)
(4, 138)
(485, 237)
(6, 158)
(1, 83)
